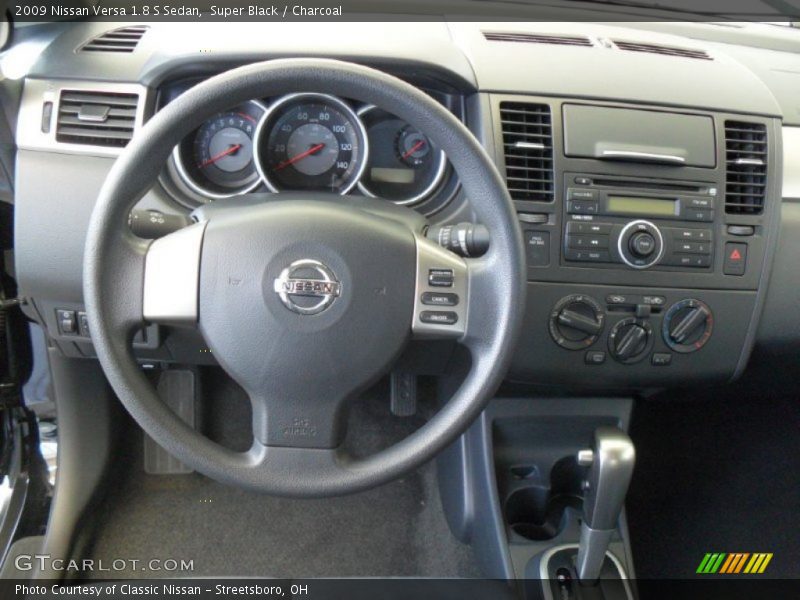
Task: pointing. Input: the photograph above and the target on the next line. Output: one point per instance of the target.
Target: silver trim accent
(426, 193)
(326, 98)
(199, 189)
(648, 156)
(172, 277)
(431, 255)
(38, 91)
(622, 236)
(545, 562)
(791, 162)
(328, 288)
(756, 162)
(529, 146)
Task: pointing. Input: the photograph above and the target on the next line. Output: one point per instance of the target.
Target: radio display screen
(632, 205)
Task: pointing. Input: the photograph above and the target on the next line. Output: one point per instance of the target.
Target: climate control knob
(576, 321)
(630, 340)
(688, 325)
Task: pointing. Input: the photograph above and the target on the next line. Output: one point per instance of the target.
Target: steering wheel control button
(307, 287)
(67, 322)
(640, 244)
(687, 326)
(576, 322)
(439, 299)
(595, 357)
(441, 277)
(661, 359)
(735, 258)
(439, 317)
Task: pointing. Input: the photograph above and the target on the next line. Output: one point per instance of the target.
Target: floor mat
(395, 530)
(717, 471)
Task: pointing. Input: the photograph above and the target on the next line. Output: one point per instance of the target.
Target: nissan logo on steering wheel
(307, 287)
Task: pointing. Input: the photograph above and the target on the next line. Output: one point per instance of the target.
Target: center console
(649, 236)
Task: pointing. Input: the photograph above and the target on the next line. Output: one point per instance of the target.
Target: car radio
(639, 223)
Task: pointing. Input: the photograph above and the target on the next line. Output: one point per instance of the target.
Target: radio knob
(687, 326)
(642, 244)
(630, 340)
(576, 321)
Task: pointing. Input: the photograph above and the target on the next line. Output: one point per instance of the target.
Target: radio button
(689, 260)
(587, 255)
(698, 214)
(587, 241)
(693, 234)
(693, 247)
(642, 244)
(699, 203)
(582, 207)
(579, 194)
(588, 227)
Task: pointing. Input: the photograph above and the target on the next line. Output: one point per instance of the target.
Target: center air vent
(536, 38)
(123, 40)
(745, 167)
(96, 118)
(528, 148)
(664, 50)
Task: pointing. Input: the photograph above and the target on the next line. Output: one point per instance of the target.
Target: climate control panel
(640, 327)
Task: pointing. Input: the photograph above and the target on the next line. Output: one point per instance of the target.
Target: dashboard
(657, 212)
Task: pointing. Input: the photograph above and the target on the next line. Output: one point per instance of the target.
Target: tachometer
(217, 160)
(311, 142)
(404, 166)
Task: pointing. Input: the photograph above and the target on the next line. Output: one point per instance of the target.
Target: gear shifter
(610, 465)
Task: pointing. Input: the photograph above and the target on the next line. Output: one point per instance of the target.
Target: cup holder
(537, 510)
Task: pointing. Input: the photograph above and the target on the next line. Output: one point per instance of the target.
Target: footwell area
(395, 530)
(717, 471)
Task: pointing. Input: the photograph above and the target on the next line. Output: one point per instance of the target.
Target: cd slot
(650, 185)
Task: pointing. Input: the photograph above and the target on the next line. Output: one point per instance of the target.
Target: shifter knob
(610, 468)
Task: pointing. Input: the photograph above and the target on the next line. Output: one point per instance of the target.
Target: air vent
(96, 118)
(535, 38)
(745, 167)
(123, 40)
(528, 147)
(664, 50)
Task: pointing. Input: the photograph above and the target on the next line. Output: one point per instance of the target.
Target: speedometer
(311, 142)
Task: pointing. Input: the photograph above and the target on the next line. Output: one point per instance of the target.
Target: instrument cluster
(307, 142)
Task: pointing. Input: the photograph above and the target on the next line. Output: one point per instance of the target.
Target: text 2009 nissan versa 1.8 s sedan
(425, 300)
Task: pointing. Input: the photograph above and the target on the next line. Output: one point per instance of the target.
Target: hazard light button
(735, 258)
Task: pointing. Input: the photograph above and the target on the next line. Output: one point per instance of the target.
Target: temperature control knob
(688, 325)
(630, 340)
(576, 321)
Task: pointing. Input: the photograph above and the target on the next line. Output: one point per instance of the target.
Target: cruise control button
(440, 277)
(439, 299)
(438, 317)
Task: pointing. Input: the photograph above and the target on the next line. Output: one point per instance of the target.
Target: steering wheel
(304, 301)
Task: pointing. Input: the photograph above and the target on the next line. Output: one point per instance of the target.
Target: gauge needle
(290, 161)
(213, 159)
(414, 148)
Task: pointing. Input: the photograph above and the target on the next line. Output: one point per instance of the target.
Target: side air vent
(745, 167)
(664, 50)
(96, 118)
(535, 38)
(528, 148)
(123, 40)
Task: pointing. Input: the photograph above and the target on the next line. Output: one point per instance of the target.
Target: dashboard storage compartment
(633, 135)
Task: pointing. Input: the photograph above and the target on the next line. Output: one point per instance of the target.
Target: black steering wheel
(306, 301)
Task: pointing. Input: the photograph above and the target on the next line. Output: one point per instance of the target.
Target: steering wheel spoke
(172, 277)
